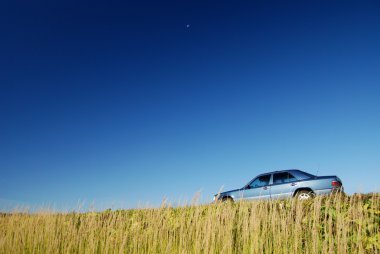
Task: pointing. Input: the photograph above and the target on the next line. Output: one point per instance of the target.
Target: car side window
(260, 181)
(284, 177)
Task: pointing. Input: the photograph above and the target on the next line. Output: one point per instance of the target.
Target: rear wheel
(304, 195)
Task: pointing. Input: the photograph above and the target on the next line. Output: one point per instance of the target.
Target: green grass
(334, 224)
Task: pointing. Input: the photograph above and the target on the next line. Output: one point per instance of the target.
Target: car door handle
(293, 184)
(265, 188)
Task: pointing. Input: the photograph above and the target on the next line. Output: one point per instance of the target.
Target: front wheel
(304, 195)
(227, 200)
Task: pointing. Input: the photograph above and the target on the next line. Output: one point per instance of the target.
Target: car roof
(280, 171)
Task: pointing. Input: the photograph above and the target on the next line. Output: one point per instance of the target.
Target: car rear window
(304, 175)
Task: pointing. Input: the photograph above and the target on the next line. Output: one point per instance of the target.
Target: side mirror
(247, 187)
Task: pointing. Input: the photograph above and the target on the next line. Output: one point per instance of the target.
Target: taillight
(335, 184)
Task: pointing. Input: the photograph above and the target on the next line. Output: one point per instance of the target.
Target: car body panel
(256, 193)
(282, 191)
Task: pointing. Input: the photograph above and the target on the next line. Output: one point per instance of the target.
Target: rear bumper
(323, 192)
(329, 191)
(338, 190)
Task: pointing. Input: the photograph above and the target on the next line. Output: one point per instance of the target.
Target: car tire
(304, 195)
(228, 200)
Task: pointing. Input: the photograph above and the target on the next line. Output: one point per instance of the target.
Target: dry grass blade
(334, 224)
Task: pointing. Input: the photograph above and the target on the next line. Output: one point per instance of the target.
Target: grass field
(335, 224)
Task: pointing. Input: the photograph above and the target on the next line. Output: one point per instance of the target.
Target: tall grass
(334, 224)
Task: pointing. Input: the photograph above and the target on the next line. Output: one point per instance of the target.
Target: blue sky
(122, 103)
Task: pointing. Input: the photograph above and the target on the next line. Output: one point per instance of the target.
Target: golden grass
(334, 224)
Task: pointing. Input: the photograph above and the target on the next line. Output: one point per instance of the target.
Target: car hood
(227, 192)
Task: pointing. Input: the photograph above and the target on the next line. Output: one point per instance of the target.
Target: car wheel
(227, 200)
(304, 195)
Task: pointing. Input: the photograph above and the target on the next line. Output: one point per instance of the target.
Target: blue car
(282, 185)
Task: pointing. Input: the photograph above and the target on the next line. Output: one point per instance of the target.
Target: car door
(258, 188)
(283, 185)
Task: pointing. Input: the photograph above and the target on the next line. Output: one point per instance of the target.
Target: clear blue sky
(124, 103)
